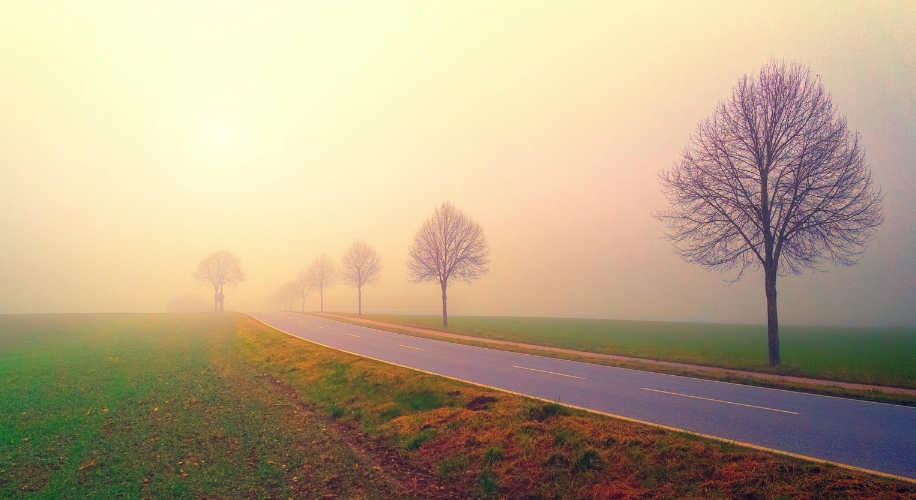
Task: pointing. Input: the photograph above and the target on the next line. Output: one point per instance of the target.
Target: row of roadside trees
(448, 247)
(773, 180)
(359, 266)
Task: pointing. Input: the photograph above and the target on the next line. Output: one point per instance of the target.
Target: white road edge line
(605, 413)
(721, 401)
(596, 363)
(545, 371)
(409, 347)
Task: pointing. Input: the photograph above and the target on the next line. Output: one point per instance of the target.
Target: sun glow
(221, 134)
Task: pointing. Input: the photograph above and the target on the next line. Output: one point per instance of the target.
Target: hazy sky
(137, 138)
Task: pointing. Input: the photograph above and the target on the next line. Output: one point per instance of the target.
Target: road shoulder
(865, 392)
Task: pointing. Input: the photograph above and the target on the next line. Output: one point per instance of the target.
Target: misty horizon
(134, 143)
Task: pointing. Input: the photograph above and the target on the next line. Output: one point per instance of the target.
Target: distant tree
(284, 295)
(219, 269)
(322, 274)
(772, 180)
(360, 265)
(448, 246)
(301, 286)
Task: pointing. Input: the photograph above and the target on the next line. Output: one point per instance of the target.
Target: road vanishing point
(876, 437)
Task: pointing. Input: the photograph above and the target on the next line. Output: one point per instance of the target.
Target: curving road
(874, 436)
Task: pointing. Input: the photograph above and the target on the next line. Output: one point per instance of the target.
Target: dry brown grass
(515, 447)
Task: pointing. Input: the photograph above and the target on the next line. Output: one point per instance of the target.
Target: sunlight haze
(136, 139)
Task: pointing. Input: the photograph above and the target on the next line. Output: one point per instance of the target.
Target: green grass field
(220, 406)
(882, 356)
(156, 406)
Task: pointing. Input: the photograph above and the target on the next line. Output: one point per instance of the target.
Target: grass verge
(877, 356)
(220, 406)
(502, 445)
(721, 376)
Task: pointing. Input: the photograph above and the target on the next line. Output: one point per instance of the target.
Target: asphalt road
(874, 436)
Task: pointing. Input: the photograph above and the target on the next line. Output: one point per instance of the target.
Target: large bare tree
(219, 269)
(448, 246)
(360, 265)
(322, 274)
(302, 285)
(772, 180)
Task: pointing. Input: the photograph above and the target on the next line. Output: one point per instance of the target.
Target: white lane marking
(409, 347)
(721, 401)
(545, 371)
(621, 417)
(350, 334)
(323, 328)
(302, 321)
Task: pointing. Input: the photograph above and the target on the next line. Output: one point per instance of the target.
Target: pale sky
(136, 138)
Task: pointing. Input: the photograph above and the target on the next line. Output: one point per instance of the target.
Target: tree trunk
(215, 300)
(303, 303)
(359, 292)
(321, 293)
(444, 307)
(772, 317)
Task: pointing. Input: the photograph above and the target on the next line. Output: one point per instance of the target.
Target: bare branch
(286, 293)
(773, 174)
(322, 274)
(360, 265)
(773, 180)
(219, 269)
(448, 246)
(301, 286)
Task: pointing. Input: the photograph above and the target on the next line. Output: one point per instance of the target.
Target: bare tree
(219, 269)
(772, 180)
(322, 274)
(360, 265)
(302, 285)
(285, 294)
(448, 246)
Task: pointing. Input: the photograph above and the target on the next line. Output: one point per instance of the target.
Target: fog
(137, 139)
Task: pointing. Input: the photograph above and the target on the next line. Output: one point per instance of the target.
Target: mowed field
(881, 356)
(220, 406)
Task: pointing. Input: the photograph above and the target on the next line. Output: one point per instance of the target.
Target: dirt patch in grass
(480, 403)
(386, 460)
(219, 406)
(515, 447)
